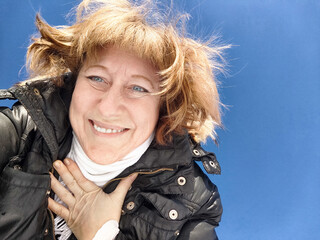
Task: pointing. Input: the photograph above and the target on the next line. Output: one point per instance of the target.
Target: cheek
(78, 105)
(74, 106)
(81, 99)
(150, 113)
(74, 114)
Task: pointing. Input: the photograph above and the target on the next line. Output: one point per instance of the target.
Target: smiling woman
(112, 112)
(125, 100)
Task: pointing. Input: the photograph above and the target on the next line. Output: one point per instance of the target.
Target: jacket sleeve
(202, 225)
(195, 230)
(14, 125)
(203, 228)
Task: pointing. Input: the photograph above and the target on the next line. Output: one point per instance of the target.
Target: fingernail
(57, 164)
(67, 162)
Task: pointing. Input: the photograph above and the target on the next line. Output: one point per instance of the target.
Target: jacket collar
(176, 154)
(48, 106)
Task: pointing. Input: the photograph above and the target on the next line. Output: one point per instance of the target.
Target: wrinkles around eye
(96, 78)
(139, 89)
(98, 83)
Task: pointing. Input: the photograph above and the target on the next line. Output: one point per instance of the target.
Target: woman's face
(112, 111)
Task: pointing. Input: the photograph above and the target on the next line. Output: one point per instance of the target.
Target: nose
(111, 102)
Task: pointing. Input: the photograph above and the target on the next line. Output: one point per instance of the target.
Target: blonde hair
(189, 97)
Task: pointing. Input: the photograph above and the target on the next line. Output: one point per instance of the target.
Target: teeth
(104, 130)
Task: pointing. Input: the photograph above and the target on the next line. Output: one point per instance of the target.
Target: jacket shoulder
(15, 125)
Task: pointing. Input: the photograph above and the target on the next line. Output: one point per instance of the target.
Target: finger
(63, 193)
(58, 209)
(83, 182)
(121, 191)
(68, 178)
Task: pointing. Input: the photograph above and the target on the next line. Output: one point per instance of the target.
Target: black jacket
(171, 198)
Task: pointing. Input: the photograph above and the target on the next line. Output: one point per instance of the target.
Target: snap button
(46, 232)
(173, 214)
(176, 233)
(212, 164)
(48, 192)
(182, 181)
(130, 206)
(196, 152)
(36, 91)
(17, 167)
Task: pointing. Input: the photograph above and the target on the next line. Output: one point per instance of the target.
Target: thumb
(121, 191)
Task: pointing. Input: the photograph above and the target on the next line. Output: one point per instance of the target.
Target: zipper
(52, 222)
(140, 172)
(51, 214)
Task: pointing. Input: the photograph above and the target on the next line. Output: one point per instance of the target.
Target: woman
(125, 100)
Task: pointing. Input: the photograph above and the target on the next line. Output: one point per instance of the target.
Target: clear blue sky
(269, 150)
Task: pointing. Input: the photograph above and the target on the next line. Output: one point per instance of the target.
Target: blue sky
(269, 149)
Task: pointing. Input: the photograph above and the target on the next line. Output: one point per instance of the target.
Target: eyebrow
(96, 66)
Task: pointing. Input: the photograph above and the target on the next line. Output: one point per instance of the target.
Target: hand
(88, 206)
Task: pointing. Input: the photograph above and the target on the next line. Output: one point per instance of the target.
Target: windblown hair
(189, 97)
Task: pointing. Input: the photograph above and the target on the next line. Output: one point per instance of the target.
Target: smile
(107, 130)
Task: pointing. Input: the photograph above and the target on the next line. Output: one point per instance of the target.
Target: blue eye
(98, 83)
(96, 79)
(139, 89)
